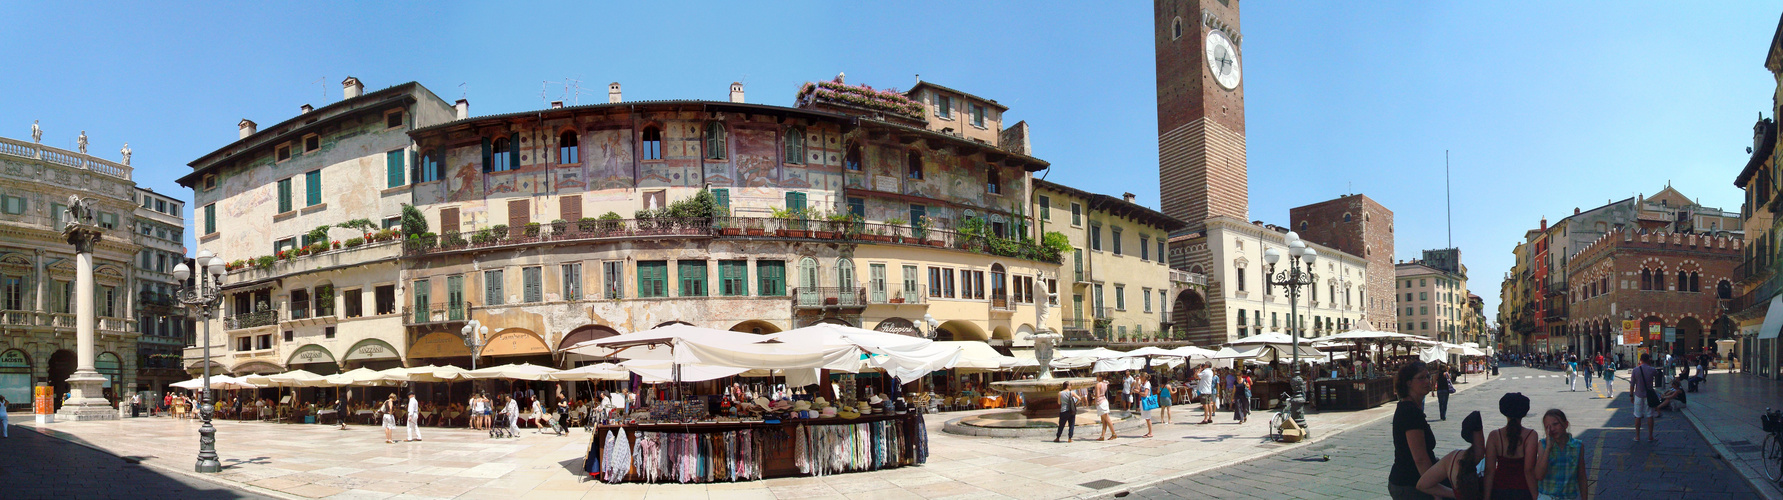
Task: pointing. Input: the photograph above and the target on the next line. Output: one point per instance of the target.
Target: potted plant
(266, 261)
(825, 227)
(792, 223)
(726, 225)
(611, 222)
(355, 242)
(896, 228)
(752, 227)
(559, 226)
(898, 298)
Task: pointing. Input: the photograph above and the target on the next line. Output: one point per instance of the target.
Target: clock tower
(1201, 160)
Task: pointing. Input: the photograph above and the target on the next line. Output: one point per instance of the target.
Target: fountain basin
(1042, 395)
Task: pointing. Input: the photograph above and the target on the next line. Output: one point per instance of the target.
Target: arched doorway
(755, 326)
(62, 364)
(254, 368)
(371, 353)
(1001, 332)
(960, 330)
(313, 358)
(1189, 310)
(1689, 336)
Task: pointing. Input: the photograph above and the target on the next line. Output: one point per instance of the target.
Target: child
(1560, 467)
(1164, 401)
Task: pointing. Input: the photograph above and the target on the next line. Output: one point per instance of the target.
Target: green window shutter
(393, 168)
(422, 290)
(795, 200)
(488, 159)
(312, 185)
(532, 286)
(210, 218)
(514, 151)
(723, 196)
(492, 289)
(773, 278)
(284, 195)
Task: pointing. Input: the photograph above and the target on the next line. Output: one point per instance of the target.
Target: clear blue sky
(1545, 106)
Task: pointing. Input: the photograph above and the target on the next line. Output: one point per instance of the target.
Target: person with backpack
(1067, 414)
(1640, 389)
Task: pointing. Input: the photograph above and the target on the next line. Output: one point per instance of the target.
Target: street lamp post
(474, 331)
(1293, 278)
(204, 295)
(934, 326)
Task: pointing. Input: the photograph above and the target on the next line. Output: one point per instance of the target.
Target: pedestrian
(340, 408)
(1444, 387)
(1608, 373)
(1510, 463)
(512, 409)
(1100, 398)
(1205, 387)
(1414, 446)
(1457, 474)
(1164, 401)
(1588, 372)
(414, 417)
(1640, 389)
(1148, 403)
(5, 425)
(387, 414)
(1129, 387)
(1241, 397)
(1067, 414)
(538, 417)
(1560, 467)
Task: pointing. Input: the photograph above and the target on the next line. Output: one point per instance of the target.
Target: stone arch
(259, 367)
(1002, 332)
(198, 366)
(960, 330)
(514, 342)
(1690, 336)
(756, 326)
(585, 333)
(370, 349)
(1189, 309)
(834, 321)
(310, 353)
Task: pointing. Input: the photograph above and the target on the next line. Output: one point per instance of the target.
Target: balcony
(829, 297)
(268, 317)
(934, 236)
(1195, 279)
(1753, 270)
(82, 161)
(898, 297)
(155, 299)
(1556, 288)
(437, 312)
(1002, 303)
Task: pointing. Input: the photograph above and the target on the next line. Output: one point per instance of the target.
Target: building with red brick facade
(1362, 227)
(1661, 280)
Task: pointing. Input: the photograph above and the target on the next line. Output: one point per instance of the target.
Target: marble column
(86, 386)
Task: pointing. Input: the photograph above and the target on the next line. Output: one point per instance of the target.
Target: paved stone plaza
(318, 461)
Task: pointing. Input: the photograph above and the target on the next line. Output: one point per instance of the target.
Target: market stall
(1357, 383)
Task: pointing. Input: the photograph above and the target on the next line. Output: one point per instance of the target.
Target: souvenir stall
(731, 431)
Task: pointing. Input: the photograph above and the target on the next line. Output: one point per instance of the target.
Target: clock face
(1222, 59)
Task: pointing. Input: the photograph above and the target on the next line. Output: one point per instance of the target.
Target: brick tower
(1201, 160)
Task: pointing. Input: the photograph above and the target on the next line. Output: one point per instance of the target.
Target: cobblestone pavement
(1725, 410)
(1681, 465)
(33, 465)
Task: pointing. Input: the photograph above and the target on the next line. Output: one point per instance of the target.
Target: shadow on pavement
(35, 465)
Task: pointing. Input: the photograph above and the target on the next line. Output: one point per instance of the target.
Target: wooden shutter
(488, 159)
(795, 200)
(285, 195)
(519, 213)
(393, 168)
(533, 287)
(571, 208)
(514, 151)
(449, 220)
(723, 196)
(210, 218)
(312, 186)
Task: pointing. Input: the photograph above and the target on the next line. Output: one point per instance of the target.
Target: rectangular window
(653, 278)
(1045, 208)
(14, 298)
(1240, 279)
(108, 220)
(978, 115)
(910, 285)
(943, 106)
(312, 142)
(1161, 248)
(1096, 237)
(352, 303)
(1052, 292)
(384, 299)
(532, 284)
(733, 278)
(1145, 248)
(1120, 297)
(328, 332)
(572, 281)
(285, 195)
(1147, 293)
(283, 245)
(492, 288)
(393, 119)
(289, 335)
(284, 152)
(394, 168)
(1076, 214)
(245, 343)
(1099, 305)
(1115, 233)
(772, 278)
(947, 283)
(312, 185)
(613, 279)
(692, 276)
(934, 282)
(263, 341)
(421, 290)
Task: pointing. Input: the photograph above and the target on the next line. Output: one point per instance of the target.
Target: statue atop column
(36, 133)
(82, 142)
(126, 151)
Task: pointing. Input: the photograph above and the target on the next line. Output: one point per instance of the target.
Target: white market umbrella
(598, 371)
(522, 371)
(294, 378)
(434, 373)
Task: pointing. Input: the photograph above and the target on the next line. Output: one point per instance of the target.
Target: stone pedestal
(87, 401)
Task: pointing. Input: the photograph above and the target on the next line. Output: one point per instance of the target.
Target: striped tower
(1201, 160)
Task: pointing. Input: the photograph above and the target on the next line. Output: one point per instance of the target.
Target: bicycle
(1772, 422)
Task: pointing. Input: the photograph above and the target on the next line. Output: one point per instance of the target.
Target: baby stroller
(556, 420)
(500, 429)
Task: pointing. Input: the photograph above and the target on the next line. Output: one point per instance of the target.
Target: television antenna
(572, 91)
(324, 86)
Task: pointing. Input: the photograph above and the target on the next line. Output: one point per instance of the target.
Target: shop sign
(1655, 331)
(1631, 332)
(439, 345)
(312, 354)
(371, 350)
(899, 326)
(13, 359)
(1671, 334)
(515, 342)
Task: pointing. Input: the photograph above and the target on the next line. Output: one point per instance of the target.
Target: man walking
(1640, 380)
(1205, 387)
(414, 417)
(340, 408)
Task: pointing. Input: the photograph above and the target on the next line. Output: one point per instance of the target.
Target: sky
(1541, 106)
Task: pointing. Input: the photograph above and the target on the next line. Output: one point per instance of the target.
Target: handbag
(1647, 391)
(1149, 403)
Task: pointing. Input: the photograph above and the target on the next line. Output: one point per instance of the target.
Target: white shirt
(513, 408)
(414, 406)
(1205, 382)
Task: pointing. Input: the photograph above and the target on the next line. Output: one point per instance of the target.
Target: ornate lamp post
(934, 326)
(1292, 278)
(204, 295)
(474, 332)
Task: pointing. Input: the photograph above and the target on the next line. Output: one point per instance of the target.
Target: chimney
(613, 92)
(1128, 196)
(351, 88)
(1575, 210)
(464, 109)
(556, 104)
(247, 127)
(736, 92)
(1544, 224)
(305, 109)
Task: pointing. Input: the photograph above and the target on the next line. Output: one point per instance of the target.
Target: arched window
(1695, 282)
(795, 145)
(1724, 290)
(999, 290)
(1646, 279)
(993, 183)
(1659, 280)
(845, 275)
(852, 160)
(1683, 281)
(915, 160)
(714, 141)
(1346, 216)
(566, 148)
(1176, 28)
(500, 157)
(652, 143)
(808, 273)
